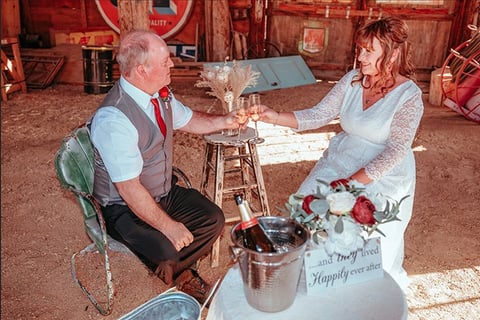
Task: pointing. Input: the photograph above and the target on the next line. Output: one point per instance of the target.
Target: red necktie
(158, 116)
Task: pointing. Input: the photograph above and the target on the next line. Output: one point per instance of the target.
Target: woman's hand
(268, 115)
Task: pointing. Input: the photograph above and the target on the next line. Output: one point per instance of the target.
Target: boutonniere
(165, 94)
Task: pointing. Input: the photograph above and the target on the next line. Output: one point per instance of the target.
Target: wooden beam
(133, 15)
(217, 29)
(374, 13)
(10, 18)
(464, 12)
(83, 13)
(26, 16)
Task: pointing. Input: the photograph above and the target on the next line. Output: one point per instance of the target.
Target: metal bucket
(270, 279)
(169, 306)
(97, 69)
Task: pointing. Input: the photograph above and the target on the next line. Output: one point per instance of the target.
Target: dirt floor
(41, 224)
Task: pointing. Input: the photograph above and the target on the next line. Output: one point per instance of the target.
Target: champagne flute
(241, 109)
(254, 115)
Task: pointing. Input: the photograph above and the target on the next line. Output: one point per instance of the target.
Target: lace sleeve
(326, 110)
(403, 129)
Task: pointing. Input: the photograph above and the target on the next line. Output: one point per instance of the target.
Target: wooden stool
(242, 165)
(13, 78)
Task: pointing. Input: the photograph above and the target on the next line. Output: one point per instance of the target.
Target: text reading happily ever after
(323, 271)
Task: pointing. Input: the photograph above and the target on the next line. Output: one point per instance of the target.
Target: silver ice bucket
(270, 279)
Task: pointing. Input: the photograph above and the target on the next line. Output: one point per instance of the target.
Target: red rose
(340, 182)
(306, 203)
(363, 211)
(165, 94)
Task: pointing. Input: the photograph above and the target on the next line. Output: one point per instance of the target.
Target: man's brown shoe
(190, 282)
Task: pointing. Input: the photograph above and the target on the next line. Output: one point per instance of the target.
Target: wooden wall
(433, 29)
(47, 18)
(10, 18)
(429, 30)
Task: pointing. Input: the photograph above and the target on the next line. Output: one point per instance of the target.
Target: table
(376, 299)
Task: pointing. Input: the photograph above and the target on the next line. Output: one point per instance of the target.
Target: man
(169, 227)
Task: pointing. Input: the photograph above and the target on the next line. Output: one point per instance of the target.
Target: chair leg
(215, 254)
(108, 308)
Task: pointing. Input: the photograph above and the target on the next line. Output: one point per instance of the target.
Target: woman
(380, 108)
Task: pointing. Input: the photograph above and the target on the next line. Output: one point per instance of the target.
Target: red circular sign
(167, 17)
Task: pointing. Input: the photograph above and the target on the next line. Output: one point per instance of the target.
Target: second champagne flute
(241, 108)
(254, 115)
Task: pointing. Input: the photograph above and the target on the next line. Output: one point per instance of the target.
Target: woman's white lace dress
(378, 139)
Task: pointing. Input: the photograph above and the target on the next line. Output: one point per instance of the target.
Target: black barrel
(97, 69)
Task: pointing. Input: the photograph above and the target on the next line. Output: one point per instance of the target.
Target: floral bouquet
(342, 215)
(227, 82)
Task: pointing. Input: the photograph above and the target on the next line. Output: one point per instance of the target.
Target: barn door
(277, 73)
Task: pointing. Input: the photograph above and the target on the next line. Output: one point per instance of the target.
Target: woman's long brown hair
(392, 34)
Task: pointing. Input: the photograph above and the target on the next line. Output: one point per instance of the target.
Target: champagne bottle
(254, 237)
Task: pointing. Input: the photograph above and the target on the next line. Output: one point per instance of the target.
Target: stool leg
(218, 198)
(206, 168)
(20, 76)
(215, 254)
(244, 172)
(219, 172)
(207, 165)
(257, 170)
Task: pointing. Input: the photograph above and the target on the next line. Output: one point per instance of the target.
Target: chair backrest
(74, 163)
(75, 170)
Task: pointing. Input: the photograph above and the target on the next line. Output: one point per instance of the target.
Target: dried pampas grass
(227, 82)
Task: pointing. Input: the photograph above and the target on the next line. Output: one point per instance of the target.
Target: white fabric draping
(375, 299)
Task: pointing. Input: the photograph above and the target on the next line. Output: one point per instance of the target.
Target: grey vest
(157, 151)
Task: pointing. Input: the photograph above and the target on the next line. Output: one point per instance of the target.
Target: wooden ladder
(13, 78)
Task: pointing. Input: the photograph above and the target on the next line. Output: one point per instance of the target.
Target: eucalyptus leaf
(298, 196)
(315, 237)
(339, 225)
(387, 207)
(319, 206)
(380, 231)
(309, 218)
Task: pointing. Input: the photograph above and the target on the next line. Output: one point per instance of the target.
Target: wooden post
(217, 30)
(435, 93)
(258, 21)
(133, 15)
(13, 78)
(10, 18)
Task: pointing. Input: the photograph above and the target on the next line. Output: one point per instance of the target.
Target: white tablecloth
(373, 299)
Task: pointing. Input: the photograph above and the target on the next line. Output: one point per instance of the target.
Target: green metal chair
(74, 164)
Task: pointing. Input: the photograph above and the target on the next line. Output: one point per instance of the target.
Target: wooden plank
(13, 78)
(133, 14)
(186, 70)
(217, 30)
(10, 18)
(40, 71)
(184, 74)
(348, 12)
(430, 39)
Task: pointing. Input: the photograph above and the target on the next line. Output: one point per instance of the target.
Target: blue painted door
(276, 73)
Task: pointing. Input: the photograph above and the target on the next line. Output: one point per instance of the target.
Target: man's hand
(144, 206)
(178, 235)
